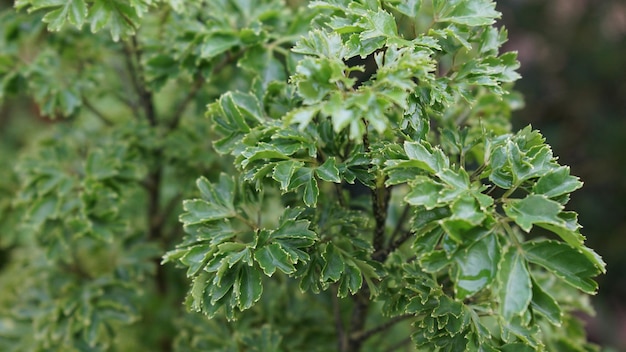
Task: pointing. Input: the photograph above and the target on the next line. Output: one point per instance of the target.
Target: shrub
(359, 187)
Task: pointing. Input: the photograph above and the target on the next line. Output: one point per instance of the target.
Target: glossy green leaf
(477, 267)
(424, 191)
(429, 161)
(466, 12)
(556, 183)
(198, 211)
(514, 286)
(284, 170)
(545, 305)
(328, 171)
(272, 257)
(333, 264)
(533, 209)
(565, 262)
(249, 287)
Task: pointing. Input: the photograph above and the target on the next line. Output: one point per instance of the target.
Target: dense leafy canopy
(357, 166)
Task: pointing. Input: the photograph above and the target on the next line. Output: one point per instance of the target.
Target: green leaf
(410, 8)
(533, 209)
(329, 171)
(514, 286)
(466, 208)
(199, 211)
(248, 287)
(311, 192)
(121, 18)
(556, 183)
(217, 43)
(565, 262)
(545, 305)
(351, 280)
(284, 170)
(272, 257)
(477, 267)
(333, 264)
(466, 12)
(433, 162)
(424, 191)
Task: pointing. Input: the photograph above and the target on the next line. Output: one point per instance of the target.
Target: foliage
(360, 177)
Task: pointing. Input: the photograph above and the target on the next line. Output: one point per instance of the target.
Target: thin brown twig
(180, 110)
(401, 220)
(364, 335)
(98, 113)
(382, 254)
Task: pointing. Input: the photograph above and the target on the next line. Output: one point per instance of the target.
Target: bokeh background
(573, 56)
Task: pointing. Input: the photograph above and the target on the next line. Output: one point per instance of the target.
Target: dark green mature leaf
(514, 286)
(545, 305)
(248, 287)
(477, 266)
(334, 264)
(328, 171)
(565, 262)
(272, 257)
(284, 170)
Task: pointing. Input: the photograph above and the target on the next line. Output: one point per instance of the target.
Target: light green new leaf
(410, 8)
(467, 208)
(466, 12)
(533, 209)
(424, 192)
(545, 305)
(329, 171)
(272, 257)
(514, 286)
(217, 43)
(477, 266)
(557, 182)
(433, 162)
(565, 262)
(74, 11)
(379, 24)
(334, 264)
(199, 210)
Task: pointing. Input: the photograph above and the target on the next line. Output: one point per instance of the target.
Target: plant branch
(87, 104)
(133, 53)
(180, 110)
(364, 335)
(342, 342)
(357, 321)
(382, 254)
(401, 220)
(380, 202)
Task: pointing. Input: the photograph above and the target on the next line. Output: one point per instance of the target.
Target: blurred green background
(573, 56)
